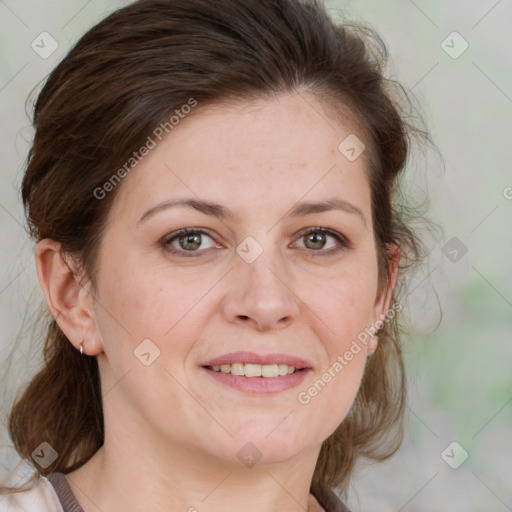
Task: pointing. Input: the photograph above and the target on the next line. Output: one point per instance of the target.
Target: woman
(212, 190)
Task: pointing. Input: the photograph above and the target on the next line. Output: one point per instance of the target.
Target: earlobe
(372, 345)
(69, 302)
(383, 301)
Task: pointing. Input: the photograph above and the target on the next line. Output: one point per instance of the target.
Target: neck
(130, 480)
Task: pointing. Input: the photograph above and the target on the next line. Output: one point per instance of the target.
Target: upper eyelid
(185, 231)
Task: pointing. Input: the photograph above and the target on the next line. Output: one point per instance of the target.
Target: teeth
(255, 370)
(252, 370)
(237, 369)
(269, 370)
(283, 369)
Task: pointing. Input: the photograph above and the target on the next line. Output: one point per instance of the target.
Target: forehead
(264, 153)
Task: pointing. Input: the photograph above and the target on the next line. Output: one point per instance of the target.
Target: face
(261, 273)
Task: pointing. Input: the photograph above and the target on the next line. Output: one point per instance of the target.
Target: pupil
(317, 239)
(190, 240)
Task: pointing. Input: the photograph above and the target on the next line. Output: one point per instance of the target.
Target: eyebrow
(223, 213)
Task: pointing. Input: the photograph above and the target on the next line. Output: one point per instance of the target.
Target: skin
(172, 432)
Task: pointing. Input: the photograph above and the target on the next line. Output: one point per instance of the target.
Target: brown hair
(125, 77)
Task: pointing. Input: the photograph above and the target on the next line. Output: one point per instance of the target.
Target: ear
(383, 300)
(70, 302)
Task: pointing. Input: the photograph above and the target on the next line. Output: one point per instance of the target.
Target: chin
(256, 447)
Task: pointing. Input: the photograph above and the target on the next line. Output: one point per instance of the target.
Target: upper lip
(262, 359)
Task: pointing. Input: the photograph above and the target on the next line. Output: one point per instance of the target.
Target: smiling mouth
(255, 370)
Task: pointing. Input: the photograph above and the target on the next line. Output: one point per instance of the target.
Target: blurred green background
(456, 59)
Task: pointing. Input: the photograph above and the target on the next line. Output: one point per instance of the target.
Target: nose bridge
(260, 294)
(265, 276)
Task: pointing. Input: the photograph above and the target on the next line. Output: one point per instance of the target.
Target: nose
(260, 294)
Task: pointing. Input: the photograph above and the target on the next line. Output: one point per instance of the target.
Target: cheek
(139, 303)
(142, 308)
(345, 305)
(344, 308)
(333, 390)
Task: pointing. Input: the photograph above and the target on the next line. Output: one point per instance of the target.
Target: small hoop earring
(81, 348)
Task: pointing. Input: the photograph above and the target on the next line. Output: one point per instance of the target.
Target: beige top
(40, 498)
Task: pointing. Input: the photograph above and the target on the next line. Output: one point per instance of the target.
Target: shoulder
(39, 498)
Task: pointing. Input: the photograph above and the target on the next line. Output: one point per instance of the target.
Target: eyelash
(167, 240)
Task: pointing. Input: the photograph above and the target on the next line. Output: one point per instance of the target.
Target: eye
(187, 240)
(317, 240)
(191, 241)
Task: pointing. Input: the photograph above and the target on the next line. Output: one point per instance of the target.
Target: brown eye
(324, 241)
(315, 240)
(188, 241)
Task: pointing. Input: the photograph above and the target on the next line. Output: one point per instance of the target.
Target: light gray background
(460, 373)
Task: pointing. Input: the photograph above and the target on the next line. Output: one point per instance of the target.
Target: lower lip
(259, 384)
